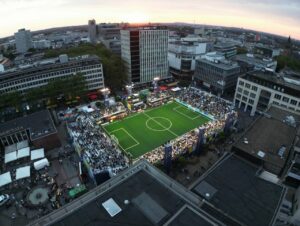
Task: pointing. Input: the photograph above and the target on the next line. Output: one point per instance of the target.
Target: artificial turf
(145, 131)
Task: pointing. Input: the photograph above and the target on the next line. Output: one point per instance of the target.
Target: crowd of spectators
(97, 149)
(180, 146)
(206, 102)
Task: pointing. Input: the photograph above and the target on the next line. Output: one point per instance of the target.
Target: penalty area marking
(175, 109)
(136, 142)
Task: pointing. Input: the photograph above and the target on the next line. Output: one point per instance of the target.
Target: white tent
(41, 164)
(24, 152)
(176, 89)
(23, 172)
(5, 179)
(87, 109)
(37, 154)
(11, 156)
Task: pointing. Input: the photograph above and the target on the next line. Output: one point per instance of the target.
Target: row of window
(244, 99)
(287, 100)
(83, 70)
(247, 85)
(36, 83)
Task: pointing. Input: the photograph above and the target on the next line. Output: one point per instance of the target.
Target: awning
(37, 154)
(5, 179)
(163, 88)
(22, 172)
(24, 152)
(11, 156)
(176, 89)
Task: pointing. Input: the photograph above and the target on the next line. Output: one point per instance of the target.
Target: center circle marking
(154, 119)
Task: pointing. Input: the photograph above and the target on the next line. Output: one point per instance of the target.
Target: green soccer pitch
(145, 131)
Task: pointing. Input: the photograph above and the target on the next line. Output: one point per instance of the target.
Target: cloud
(278, 16)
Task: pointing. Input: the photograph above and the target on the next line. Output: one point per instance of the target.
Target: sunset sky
(274, 16)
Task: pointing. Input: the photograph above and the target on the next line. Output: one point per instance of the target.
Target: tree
(11, 99)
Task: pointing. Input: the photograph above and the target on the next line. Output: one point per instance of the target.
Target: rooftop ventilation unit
(111, 207)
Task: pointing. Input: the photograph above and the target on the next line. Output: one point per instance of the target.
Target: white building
(145, 52)
(92, 29)
(23, 40)
(258, 90)
(42, 44)
(40, 73)
(182, 57)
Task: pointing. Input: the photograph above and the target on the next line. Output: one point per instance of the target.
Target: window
(240, 89)
(251, 101)
(241, 83)
(244, 99)
(285, 99)
(254, 88)
(277, 96)
(238, 96)
(252, 95)
(293, 102)
(246, 92)
(247, 85)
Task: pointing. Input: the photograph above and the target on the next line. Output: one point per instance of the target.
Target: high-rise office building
(92, 28)
(23, 40)
(145, 52)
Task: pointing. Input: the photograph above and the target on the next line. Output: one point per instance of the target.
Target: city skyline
(274, 16)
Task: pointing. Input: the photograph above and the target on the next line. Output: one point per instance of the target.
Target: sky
(274, 16)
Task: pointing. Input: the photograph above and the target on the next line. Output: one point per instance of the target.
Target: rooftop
(223, 64)
(140, 195)
(254, 59)
(39, 124)
(261, 76)
(234, 187)
(46, 64)
(224, 45)
(268, 134)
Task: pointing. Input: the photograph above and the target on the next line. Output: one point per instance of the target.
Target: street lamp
(105, 92)
(129, 89)
(155, 83)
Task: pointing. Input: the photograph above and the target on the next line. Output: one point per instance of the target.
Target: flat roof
(221, 64)
(268, 135)
(53, 64)
(139, 192)
(39, 124)
(240, 193)
(254, 60)
(271, 77)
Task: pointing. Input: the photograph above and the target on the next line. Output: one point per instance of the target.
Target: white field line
(136, 142)
(161, 125)
(179, 112)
